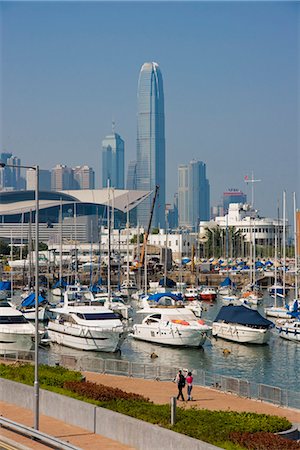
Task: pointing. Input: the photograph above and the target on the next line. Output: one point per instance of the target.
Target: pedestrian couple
(181, 381)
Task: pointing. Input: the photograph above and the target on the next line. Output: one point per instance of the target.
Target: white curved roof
(120, 199)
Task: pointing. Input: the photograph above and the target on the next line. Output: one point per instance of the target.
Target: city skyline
(230, 80)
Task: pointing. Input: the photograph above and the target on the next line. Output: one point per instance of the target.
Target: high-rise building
(44, 180)
(10, 177)
(131, 182)
(113, 161)
(233, 196)
(193, 195)
(62, 178)
(151, 156)
(84, 177)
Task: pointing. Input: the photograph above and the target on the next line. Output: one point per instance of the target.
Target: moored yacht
(290, 330)
(87, 327)
(172, 326)
(241, 324)
(16, 333)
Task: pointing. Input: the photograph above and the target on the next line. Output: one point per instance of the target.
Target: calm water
(277, 363)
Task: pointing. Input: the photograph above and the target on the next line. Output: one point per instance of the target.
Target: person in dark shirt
(180, 380)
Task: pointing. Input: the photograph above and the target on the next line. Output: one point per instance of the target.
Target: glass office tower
(151, 165)
(113, 161)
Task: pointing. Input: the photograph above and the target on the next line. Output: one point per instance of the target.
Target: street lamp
(36, 340)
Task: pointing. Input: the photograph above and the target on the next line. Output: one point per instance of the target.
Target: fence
(237, 386)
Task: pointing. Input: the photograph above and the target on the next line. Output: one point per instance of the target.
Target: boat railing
(222, 382)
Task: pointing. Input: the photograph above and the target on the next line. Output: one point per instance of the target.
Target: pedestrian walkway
(77, 436)
(206, 398)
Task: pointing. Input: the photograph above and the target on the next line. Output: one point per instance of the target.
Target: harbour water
(276, 364)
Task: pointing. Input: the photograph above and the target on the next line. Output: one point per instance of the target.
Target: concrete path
(77, 436)
(205, 398)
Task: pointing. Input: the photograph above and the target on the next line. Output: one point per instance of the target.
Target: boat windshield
(98, 316)
(12, 320)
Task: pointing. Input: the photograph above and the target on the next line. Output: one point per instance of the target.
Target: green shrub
(48, 376)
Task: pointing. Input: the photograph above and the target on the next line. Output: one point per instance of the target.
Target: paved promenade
(205, 398)
(158, 391)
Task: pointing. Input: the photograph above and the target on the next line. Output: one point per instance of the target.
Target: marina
(276, 363)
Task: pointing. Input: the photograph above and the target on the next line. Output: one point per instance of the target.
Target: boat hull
(82, 338)
(169, 336)
(16, 341)
(240, 334)
(290, 332)
(279, 313)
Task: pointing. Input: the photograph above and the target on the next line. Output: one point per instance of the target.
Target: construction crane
(140, 263)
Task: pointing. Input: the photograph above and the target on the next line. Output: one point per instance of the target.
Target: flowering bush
(263, 441)
(100, 392)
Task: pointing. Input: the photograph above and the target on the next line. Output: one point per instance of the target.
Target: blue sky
(230, 73)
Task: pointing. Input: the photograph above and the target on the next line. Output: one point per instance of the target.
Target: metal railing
(44, 438)
(237, 386)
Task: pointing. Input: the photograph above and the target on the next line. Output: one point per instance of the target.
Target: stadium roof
(16, 202)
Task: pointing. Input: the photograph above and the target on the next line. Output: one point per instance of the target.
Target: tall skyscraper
(193, 195)
(113, 161)
(44, 180)
(151, 155)
(10, 176)
(84, 177)
(131, 182)
(62, 178)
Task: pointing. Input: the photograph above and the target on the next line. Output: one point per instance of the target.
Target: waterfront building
(181, 243)
(113, 161)
(84, 177)
(44, 180)
(193, 195)
(62, 178)
(247, 221)
(151, 156)
(81, 210)
(233, 196)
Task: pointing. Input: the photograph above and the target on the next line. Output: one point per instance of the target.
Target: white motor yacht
(290, 330)
(241, 324)
(168, 321)
(172, 326)
(87, 327)
(16, 333)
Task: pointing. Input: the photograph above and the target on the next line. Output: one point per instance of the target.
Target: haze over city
(230, 74)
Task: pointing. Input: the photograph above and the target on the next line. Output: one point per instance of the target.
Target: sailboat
(290, 330)
(277, 290)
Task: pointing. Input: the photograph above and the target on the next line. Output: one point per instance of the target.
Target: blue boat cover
(30, 300)
(185, 260)
(156, 297)
(5, 285)
(243, 316)
(60, 283)
(227, 282)
(169, 283)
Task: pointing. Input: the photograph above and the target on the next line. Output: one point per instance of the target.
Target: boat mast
(283, 242)
(127, 239)
(60, 240)
(108, 225)
(296, 245)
